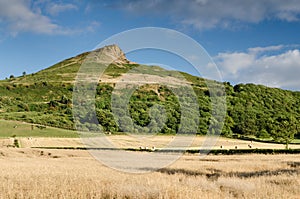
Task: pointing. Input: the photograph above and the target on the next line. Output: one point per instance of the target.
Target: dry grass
(49, 142)
(124, 141)
(32, 173)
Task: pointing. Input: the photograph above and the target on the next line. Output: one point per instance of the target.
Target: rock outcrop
(111, 54)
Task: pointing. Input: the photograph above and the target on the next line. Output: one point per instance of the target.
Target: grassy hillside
(21, 129)
(46, 98)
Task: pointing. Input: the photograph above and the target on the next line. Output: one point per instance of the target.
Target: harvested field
(124, 141)
(58, 173)
(35, 173)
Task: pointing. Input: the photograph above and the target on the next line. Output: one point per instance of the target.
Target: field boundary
(260, 140)
(191, 151)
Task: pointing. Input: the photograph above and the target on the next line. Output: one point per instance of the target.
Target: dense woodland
(252, 110)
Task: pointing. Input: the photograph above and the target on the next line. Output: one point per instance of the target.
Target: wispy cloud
(17, 16)
(207, 14)
(92, 26)
(280, 69)
(57, 8)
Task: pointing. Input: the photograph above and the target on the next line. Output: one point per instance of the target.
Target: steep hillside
(46, 98)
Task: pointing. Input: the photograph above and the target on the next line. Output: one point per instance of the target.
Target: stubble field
(37, 173)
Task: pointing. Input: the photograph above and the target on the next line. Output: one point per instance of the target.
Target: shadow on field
(294, 164)
(215, 174)
(263, 173)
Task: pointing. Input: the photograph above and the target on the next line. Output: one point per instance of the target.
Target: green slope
(46, 98)
(21, 129)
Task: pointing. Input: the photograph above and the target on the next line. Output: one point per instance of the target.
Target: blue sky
(253, 41)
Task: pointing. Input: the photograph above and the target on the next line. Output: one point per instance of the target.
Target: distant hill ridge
(66, 70)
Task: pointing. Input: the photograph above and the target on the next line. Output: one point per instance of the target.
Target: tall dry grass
(28, 173)
(125, 141)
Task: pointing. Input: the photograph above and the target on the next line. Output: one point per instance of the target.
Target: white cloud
(265, 49)
(206, 14)
(17, 16)
(279, 70)
(232, 63)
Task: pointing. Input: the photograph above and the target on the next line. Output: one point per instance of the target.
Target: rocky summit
(111, 54)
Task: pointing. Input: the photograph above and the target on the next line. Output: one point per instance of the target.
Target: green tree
(284, 129)
(228, 125)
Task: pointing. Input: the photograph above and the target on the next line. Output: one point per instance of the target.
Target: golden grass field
(45, 173)
(127, 141)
